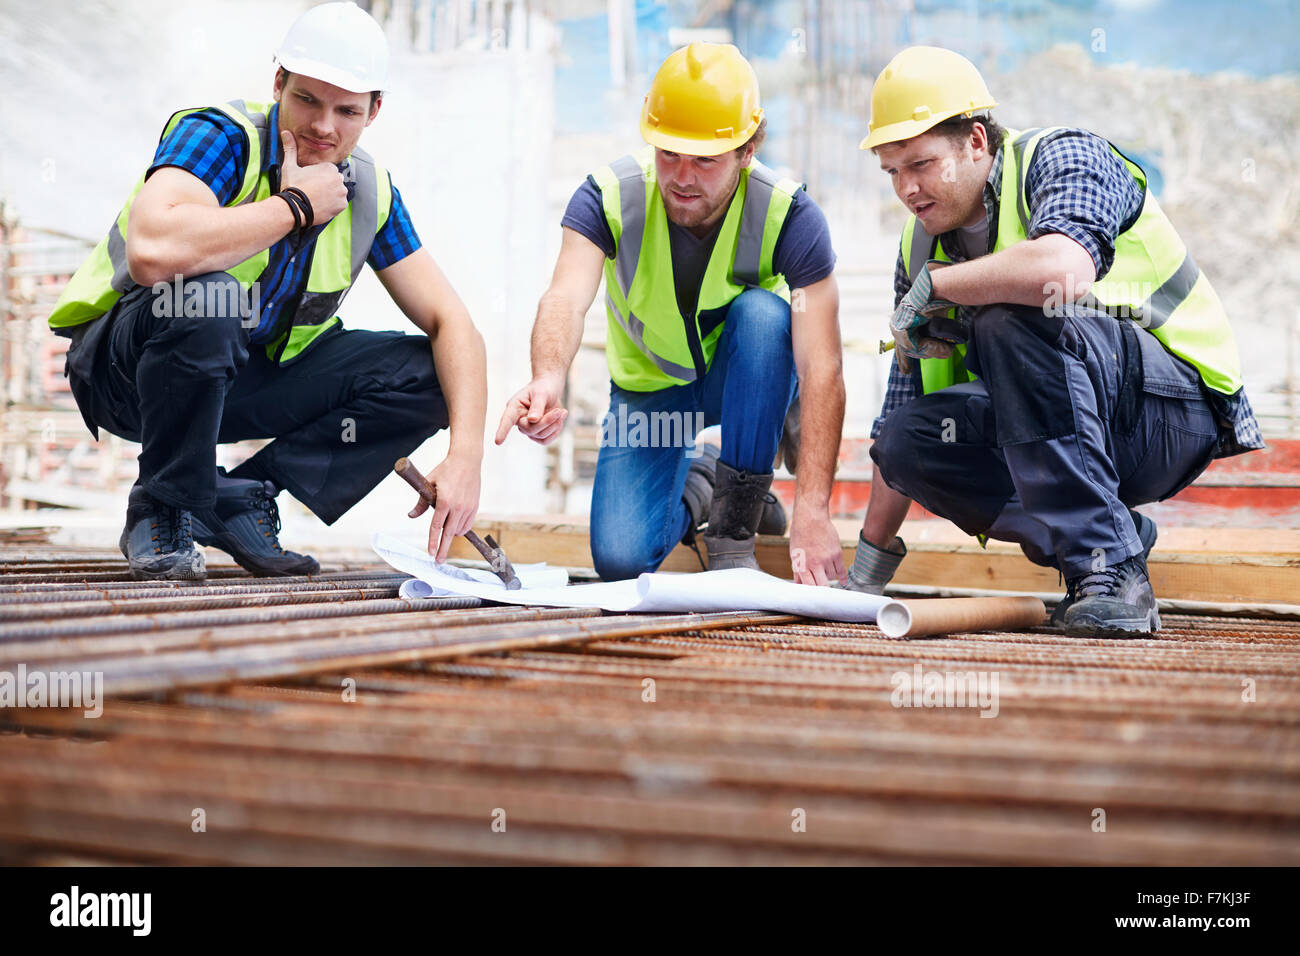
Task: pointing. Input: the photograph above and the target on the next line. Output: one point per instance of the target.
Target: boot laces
(1104, 582)
(172, 530)
(745, 492)
(1107, 581)
(270, 519)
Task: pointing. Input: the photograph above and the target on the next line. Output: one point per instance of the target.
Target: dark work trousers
(1073, 419)
(354, 403)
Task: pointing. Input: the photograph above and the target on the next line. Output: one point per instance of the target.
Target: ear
(979, 140)
(278, 85)
(746, 154)
(374, 110)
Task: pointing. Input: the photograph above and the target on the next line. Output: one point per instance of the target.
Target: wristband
(293, 208)
(308, 214)
(295, 198)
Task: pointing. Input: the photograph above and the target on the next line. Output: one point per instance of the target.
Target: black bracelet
(293, 208)
(308, 214)
(297, 196)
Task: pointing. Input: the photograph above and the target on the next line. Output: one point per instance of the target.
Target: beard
(700, 211)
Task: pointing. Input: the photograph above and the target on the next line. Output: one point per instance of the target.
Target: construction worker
(208, 315)
(1060, 357)
(703, 252)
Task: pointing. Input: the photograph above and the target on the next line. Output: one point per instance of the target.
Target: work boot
(734, 515)
(245, 523)
(698, 495)
(772, 520)
(1146, 530)
(158, 541)
(1114, 602)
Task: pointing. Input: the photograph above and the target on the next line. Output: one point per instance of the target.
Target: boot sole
(1057, 620)
(194, 569)
(310, 566)
(1124, 628)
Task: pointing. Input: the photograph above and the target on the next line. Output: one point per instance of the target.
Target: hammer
(491, 551)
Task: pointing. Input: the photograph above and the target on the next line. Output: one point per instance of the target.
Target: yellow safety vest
(647, 346)
(339, 251)
(1153, 281)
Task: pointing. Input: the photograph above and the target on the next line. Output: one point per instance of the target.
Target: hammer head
(501, 565)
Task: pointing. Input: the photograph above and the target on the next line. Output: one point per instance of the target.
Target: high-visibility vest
(339, 251)
(647, 347)
(1153, 281)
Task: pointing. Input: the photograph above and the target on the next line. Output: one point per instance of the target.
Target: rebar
(390, 737)
(135, 623)
(254, 586)
(174, 605)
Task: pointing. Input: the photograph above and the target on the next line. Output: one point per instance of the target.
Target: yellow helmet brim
(693, 145)
(897, 132)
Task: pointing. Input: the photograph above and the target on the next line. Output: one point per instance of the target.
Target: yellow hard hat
(919, 88)
(703, 101)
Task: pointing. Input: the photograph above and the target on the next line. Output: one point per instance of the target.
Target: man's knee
(209, 313)
(1003, 327)
(617, 557)
(405, 365)
(930, 438)
(761, 316)
(898, 450)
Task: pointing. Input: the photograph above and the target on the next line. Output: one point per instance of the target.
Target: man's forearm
(557, 334)
(1051, 269)
(821, 418)
(191, 238)
(461, 363)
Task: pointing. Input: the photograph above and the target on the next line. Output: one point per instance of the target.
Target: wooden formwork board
(1192, 564)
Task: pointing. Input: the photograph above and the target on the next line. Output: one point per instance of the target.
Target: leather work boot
(773, 519)
(245, 523)
(1147, 531)
(734, 516)
(698, 495)
(1115, 602)
(158, 541)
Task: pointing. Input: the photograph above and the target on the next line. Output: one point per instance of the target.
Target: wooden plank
(1196, 564)
(1260, 489)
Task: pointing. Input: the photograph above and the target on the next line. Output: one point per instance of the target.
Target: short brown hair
(756, 140)
(284, 81)
(958, 129)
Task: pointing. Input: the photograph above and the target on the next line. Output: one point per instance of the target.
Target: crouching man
(1060, 357)
(207, 315)
(703, 252)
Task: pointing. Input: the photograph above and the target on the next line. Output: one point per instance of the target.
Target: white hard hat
(340, 44)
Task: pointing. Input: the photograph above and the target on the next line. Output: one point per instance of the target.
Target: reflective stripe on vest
(1153, 279)
(339, 252)
(647, 346)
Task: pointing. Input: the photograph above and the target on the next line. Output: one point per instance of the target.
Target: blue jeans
(1074, 419)
(637, 512)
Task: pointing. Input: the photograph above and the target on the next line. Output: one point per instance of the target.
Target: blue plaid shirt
(210, 145)
(1076, 187)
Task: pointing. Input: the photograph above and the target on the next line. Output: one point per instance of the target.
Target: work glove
(873, 567)
(914, 333)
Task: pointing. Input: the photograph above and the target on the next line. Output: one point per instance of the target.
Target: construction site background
(498, 109)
